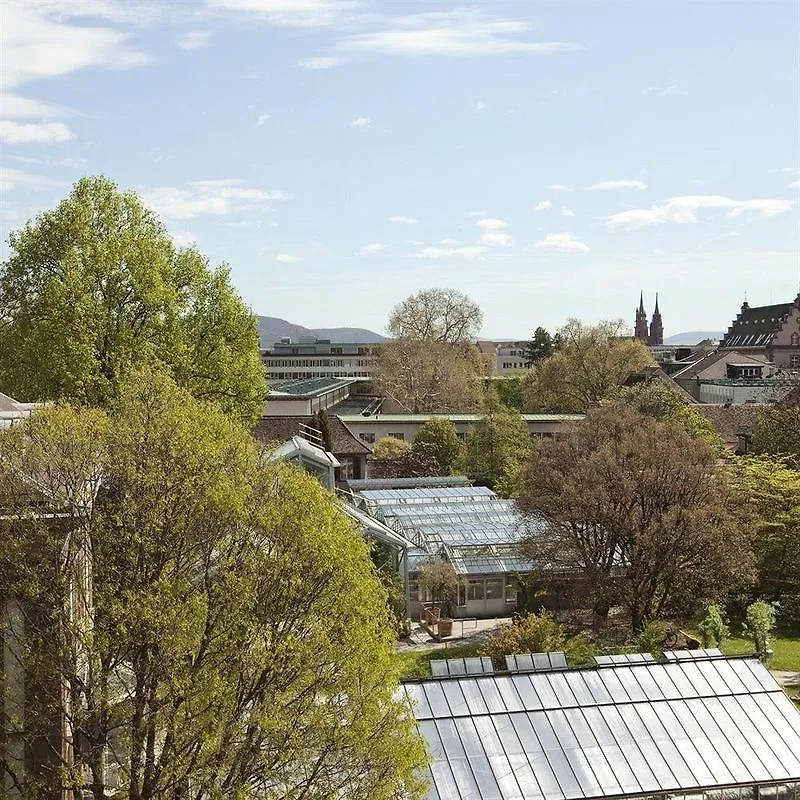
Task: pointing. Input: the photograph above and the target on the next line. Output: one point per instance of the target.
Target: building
(695, 725)
(654, 335)
(309, 357)
(372, 427)
(449, 520)
(771, 331)
(305, 396)
(504, 358)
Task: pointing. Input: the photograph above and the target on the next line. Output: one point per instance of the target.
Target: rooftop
(423, 418)
(306, 387)
(757, 326)
(611, 730)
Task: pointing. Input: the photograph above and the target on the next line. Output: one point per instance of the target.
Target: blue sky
(548, 159)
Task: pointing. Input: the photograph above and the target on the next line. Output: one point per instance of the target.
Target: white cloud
(321, 62)
(684, 210)
(794, 185)
(460, 32)
(672, 88)
(543, 205)
(33, 133)
(371, 249)
(218, 197)
(476, 213)
(618, 185)
(263, 119)
(493, 235)
(15, 179)
(490, 224)
(285, 258)
(449, 241)
(559, 187)
(290, 13)
(567, 212)
(12, 106)
(183, 239)
(468, 253)
(361, 122)
(480, 106)
(194, 40)
(562, 243)
(401, 220)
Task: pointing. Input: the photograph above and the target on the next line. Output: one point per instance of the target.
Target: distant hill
(273, 329)
(693, 337)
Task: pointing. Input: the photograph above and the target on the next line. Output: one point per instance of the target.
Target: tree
(659, 400)
(637, 509)
(441, 436)
(238, 642)
(389, 447)
(509, 390)
(713, 626)
(777, 431)
(424, 377)
(322, 422)
(436, 315)
(498, 446)
(590, 366)
(760, 623)
(96, 287)
(539, 347)
(440, 579)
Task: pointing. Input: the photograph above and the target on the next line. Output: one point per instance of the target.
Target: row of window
(470, 590)
(304, 374)
(319, 362)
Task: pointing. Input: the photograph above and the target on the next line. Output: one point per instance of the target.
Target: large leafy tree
(639, 510)
(96, 286)
(777, 432)
(590, 365)
(436, 315)
(235, 641)
(440, 435)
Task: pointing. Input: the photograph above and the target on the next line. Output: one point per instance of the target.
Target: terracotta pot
(444, 627)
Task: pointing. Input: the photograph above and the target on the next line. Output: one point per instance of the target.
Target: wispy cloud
(624, 184)
(480, 106)
(543, 205)
(401, 220)
(559, 187)
(663, 91)
(285, 258)
(494, 233)
(263, 119)
(12, 106)
(361, 122)
(184, 238)
(16, 179)
(371, 248)
(562, 243)
(194, 40)
(321, 62)
(461, 32)
(290, 13)
(476, 213)
(34, 133)
(795, 184)
(567, 212)
(216, 197)
(684, 210)
(468, 252)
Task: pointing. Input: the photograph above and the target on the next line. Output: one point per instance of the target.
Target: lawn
(787, 651)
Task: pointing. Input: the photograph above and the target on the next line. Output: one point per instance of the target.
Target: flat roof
(423, 418)
(305, 387)
(607, 731)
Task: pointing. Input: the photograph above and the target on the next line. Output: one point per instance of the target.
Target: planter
(444, 628)
(432, 615)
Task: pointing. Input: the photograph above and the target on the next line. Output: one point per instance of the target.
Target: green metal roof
(306, 387)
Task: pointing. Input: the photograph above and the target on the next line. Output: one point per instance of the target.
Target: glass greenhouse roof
(613, 731)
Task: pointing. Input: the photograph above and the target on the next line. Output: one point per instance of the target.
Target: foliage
(509, 390)
(497, 447)
(321, 421)
(590, 366)
(539, 347)
(390, 447)
(771, 491)
(760, 623)
(236, 639)
(777, 431)
(713, 626)
(429, 376)
(532, 633)
(650, 636)
(445, 316)
(440, 579)
(441, 437)
(96, 287)
(663, 402)
(640, 510)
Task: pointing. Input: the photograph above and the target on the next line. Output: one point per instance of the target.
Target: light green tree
(777, 432)
(96, 287)
(441, 438)
(390, 447)
(760, 623)
(713, 626)
(237, 643)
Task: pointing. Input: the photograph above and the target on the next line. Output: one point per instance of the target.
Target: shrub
(713, 626)
(760, 622)
(534, 633)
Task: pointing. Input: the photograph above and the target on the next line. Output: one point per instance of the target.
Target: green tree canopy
(539, 347)
(390, 447)
(96, 287)
(441, 437)
(590, 365)
(777, 432)
(236, 640)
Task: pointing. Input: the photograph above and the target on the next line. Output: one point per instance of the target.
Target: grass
(787, 651)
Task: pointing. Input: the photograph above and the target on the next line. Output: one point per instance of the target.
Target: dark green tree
(441, 438)
(777, 432)
(539, 347)
(322, 423)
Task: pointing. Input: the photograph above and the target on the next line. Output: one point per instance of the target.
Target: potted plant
(440, 579)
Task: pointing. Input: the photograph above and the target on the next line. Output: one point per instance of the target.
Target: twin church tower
(655, 335)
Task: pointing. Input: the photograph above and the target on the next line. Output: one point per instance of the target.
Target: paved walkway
(469, 632)
(789, 680)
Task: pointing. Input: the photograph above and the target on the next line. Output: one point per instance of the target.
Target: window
(794, 361)
(346, 470)
(400, 436)
(413, 591)
(369, 438)
(795, 340)
(511, 590)
(475, 590)
(494, 589)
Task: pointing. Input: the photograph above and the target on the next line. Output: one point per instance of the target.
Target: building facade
(309, 357)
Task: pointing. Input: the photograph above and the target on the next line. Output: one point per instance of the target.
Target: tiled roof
(756, 327)
(272, 429)
(731, 419)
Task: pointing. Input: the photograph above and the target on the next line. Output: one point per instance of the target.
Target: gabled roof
(757, 326)
(708, 360)
(729, 420)
(607, 731)
(272, 429)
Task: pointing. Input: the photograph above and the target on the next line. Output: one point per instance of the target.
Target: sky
(549, 159)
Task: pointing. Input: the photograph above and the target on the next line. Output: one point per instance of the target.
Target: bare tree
(436, 315)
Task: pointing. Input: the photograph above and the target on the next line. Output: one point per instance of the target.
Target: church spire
(640, 331)
(656, 313)
(656, 336)
(641, 301)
